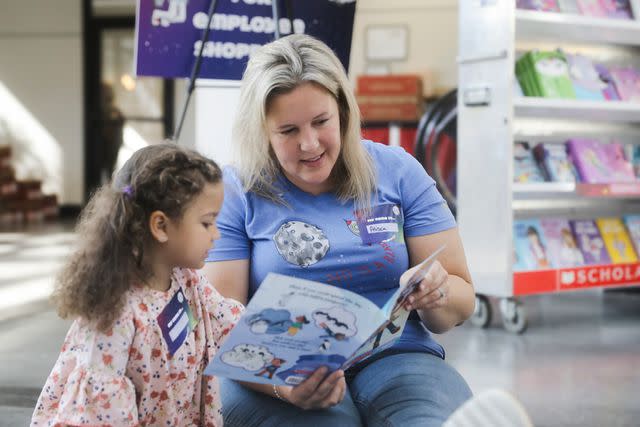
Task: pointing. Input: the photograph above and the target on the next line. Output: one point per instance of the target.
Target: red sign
(545, 281)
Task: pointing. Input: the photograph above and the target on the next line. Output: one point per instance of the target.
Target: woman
(303, 175)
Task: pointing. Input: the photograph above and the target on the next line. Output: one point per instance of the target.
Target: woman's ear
(158, 224)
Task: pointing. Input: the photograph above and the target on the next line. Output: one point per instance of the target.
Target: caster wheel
(481, 316)
(514, 316)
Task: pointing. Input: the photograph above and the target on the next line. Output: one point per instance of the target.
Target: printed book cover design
(530, 246)
(590, 241)
(616, 240)
(525, 168)
(562, 247)
(555, 162)
(633, 227)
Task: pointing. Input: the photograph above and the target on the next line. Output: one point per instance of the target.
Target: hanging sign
(169, 32)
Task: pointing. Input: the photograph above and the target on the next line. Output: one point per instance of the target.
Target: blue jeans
(407, 389)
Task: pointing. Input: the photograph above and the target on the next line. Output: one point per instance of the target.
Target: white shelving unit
(491, 117)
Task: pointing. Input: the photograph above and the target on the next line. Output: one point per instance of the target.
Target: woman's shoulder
(387, 155)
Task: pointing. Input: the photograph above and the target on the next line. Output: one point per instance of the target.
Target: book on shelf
(617, 9)
(585, 78)
(541, 5)
(562, 247)
(525, 168)
(590, 241)
(632, 222)
(598, 163)
(591, 8)
(554, 161)
(616, 240)
(530, 246)
(546, 74)
(609, 90)
(627, 81)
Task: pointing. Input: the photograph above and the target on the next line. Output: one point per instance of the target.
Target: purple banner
(168, 33)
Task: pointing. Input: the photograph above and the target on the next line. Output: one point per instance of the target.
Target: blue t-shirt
(317, 237)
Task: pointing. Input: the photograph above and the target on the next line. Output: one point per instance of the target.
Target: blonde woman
(302, 182)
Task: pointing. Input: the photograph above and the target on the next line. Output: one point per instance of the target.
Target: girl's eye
(288, 131)
(207, 224)
(321, 122)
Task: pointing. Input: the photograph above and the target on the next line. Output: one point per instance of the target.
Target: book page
(394, 312)
(293, 326)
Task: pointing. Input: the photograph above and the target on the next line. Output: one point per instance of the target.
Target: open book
(293, 326)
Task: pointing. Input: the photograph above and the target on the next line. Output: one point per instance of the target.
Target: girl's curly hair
(113, 229)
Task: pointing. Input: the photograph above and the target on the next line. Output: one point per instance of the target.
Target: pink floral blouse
(126, 376)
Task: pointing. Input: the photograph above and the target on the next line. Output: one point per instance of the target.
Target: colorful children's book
(530, 246)
(617, 9)
(555, 163)
(586, 80)
(550, 73)
(590, 241)
(599, 163)
(610, 92)
(616, 240)
(542, 5)
(591, 8)
(627, 81)
(525, 168)
(562, 247)
(633, 227)
(291, 327)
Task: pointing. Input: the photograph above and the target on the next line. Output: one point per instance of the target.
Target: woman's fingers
(316, 392)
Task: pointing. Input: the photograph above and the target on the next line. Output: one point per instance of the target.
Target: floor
(578, 364)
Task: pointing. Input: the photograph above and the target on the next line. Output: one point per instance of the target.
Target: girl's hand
(433, 290)
(316, 393)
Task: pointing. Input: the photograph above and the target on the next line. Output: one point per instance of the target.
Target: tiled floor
(578, 364)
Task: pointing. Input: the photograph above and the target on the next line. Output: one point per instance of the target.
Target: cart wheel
(481, 316)
(514, 316)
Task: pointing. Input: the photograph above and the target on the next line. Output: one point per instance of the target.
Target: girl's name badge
(384, 223)
(176, 321)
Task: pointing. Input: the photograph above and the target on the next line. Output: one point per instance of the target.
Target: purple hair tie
(128, 190)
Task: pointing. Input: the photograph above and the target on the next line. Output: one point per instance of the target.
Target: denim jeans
(406, 389)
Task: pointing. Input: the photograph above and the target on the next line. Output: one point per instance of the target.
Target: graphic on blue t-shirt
(300, 243)
(352, 225)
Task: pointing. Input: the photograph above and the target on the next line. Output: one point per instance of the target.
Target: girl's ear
(158, 224)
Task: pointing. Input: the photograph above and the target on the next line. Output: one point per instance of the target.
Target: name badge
(384, 223)
(176, 321)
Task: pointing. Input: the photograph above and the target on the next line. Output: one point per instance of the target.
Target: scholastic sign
(169, 32)
(615, 274)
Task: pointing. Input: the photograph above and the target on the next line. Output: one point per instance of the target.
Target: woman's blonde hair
(278, 68)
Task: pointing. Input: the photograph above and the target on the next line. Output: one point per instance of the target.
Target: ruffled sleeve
(223, 312)
(87, 385)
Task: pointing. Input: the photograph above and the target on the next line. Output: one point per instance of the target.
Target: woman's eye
(321, 122)
(288, 131)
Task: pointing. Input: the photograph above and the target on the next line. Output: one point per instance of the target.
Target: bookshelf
(491, 116)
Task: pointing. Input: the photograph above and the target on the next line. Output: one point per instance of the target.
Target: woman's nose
(308, 140)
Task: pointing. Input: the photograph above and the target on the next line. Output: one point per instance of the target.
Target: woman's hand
(433, 290)
(316, 393)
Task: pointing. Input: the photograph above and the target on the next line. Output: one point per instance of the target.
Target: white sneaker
(491, 408)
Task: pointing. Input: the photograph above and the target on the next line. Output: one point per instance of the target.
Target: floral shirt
(127, 377)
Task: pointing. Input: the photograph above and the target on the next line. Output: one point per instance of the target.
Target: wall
(41, 98)
(432, 38)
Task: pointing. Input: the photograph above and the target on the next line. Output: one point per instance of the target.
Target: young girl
(147, 322)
